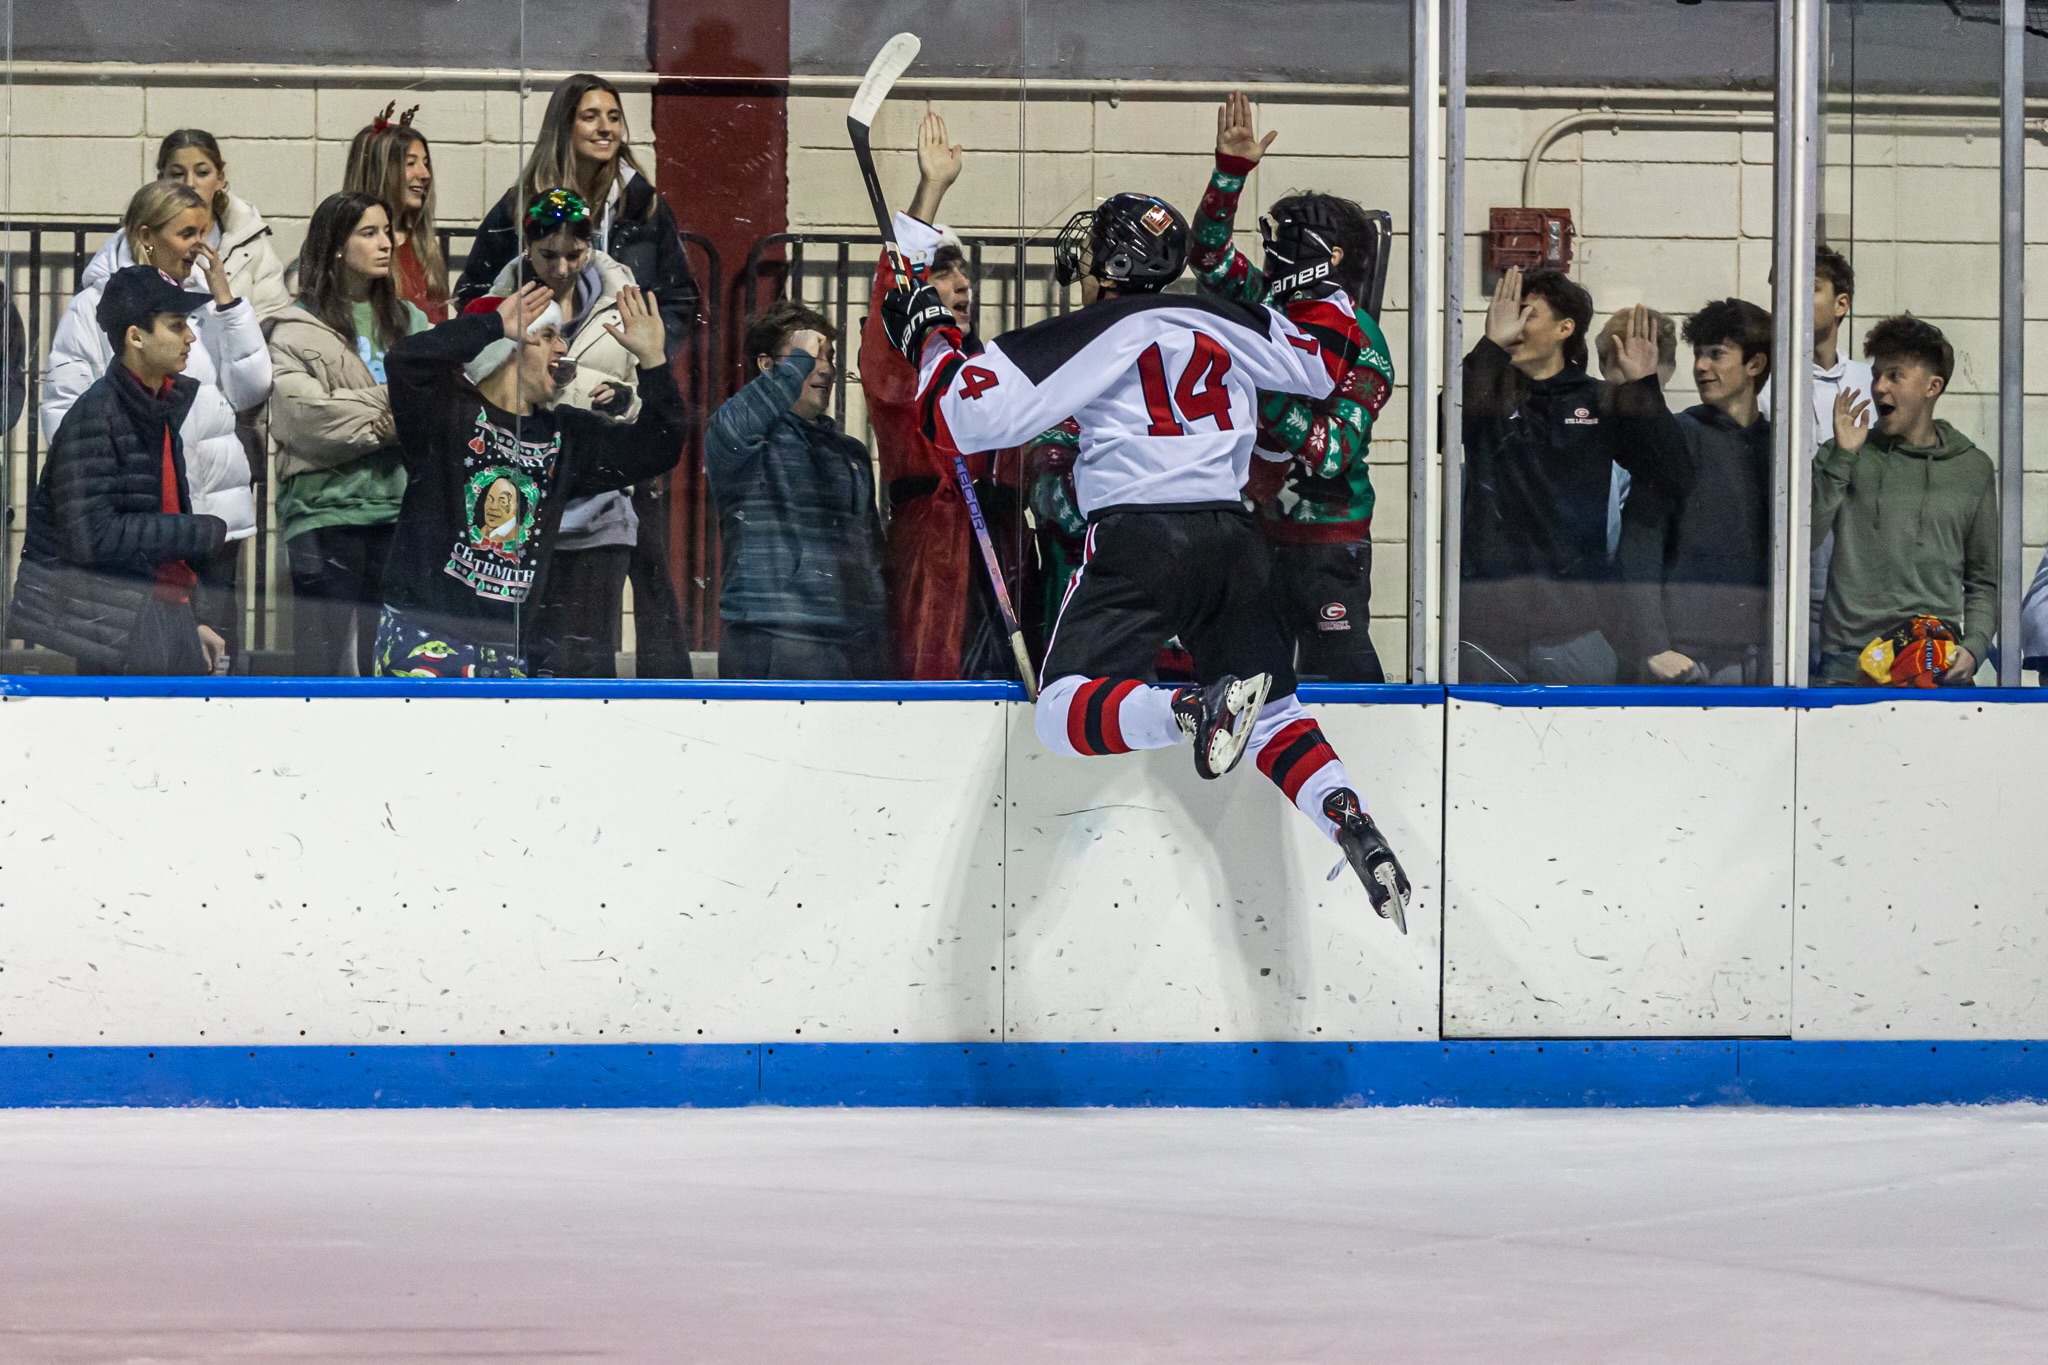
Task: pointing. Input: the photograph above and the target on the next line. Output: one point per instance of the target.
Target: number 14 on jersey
(1200, 393)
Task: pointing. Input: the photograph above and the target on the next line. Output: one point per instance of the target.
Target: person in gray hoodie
(1913, 507)
(577, 625)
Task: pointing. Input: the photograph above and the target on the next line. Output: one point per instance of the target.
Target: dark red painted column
(721, 128)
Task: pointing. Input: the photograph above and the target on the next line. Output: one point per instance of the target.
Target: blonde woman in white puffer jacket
(167, 225)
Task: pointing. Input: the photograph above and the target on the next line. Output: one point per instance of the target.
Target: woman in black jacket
(584, 146)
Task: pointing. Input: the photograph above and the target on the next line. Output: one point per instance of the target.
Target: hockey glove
(910, 315)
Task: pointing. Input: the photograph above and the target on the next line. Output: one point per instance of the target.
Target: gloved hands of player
(910, 314)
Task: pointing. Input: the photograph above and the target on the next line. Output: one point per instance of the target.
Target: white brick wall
(80, 150)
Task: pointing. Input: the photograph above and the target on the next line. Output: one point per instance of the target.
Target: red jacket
(930, 551)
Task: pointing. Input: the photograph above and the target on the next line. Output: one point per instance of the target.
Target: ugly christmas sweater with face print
(485, 487)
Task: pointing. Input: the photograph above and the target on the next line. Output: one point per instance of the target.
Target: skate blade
(1397, 905)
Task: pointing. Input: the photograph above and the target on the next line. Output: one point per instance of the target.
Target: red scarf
(175, 579)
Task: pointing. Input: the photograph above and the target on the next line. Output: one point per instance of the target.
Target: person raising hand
(941, 611)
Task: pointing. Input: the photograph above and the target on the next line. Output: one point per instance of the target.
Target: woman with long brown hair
(585, 146)
(340, 478)
(390, 161)
(191, 157)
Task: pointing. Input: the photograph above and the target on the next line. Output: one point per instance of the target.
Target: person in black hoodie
(1697, 560)
(1542, 438)
(107, 571)
(489, 467)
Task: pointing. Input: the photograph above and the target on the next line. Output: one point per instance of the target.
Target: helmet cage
(1071, 247)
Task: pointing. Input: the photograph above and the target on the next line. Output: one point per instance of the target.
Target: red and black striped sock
(1294, 755)
(1095, 716)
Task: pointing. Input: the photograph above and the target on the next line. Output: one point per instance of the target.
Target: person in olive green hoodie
(340, 478)
(1913, 506)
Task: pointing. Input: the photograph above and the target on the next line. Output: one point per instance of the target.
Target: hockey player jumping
(1164, 389)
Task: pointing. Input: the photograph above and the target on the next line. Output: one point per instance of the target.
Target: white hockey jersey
(1164, 387)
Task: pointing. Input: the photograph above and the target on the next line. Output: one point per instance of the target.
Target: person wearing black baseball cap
(137, 298)
(106, 570)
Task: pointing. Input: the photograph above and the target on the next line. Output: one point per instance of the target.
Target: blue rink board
(28, 686)
(1521, 1073)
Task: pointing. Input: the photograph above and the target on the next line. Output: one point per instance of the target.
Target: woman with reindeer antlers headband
(390, 160)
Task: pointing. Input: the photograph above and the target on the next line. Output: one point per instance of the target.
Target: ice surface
(917, 1235)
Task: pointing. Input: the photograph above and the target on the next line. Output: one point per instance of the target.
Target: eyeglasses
(558, 208)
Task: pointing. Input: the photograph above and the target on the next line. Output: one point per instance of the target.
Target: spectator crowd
(1609, 540)
(470, 471)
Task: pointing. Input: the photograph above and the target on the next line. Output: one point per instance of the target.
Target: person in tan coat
(340, 478)
(578, 623)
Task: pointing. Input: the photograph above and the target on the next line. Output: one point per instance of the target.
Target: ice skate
(1218, 718)
(1365, 849)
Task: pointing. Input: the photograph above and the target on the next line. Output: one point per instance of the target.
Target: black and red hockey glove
(910, 314)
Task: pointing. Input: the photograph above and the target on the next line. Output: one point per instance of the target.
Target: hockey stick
(995, 579)
(890, 64)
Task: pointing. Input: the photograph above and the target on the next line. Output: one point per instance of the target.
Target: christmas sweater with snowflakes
(1325, 493)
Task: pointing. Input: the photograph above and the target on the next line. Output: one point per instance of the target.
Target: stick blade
(883, 72)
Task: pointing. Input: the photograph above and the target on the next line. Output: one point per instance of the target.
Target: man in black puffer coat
(107, 569)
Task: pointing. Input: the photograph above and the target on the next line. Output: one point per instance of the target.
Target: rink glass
(1666, 179)
(1651, 124)
(1910, 192)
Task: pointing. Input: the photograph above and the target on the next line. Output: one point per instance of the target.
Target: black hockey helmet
(1136, 242)
(1302, 232)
